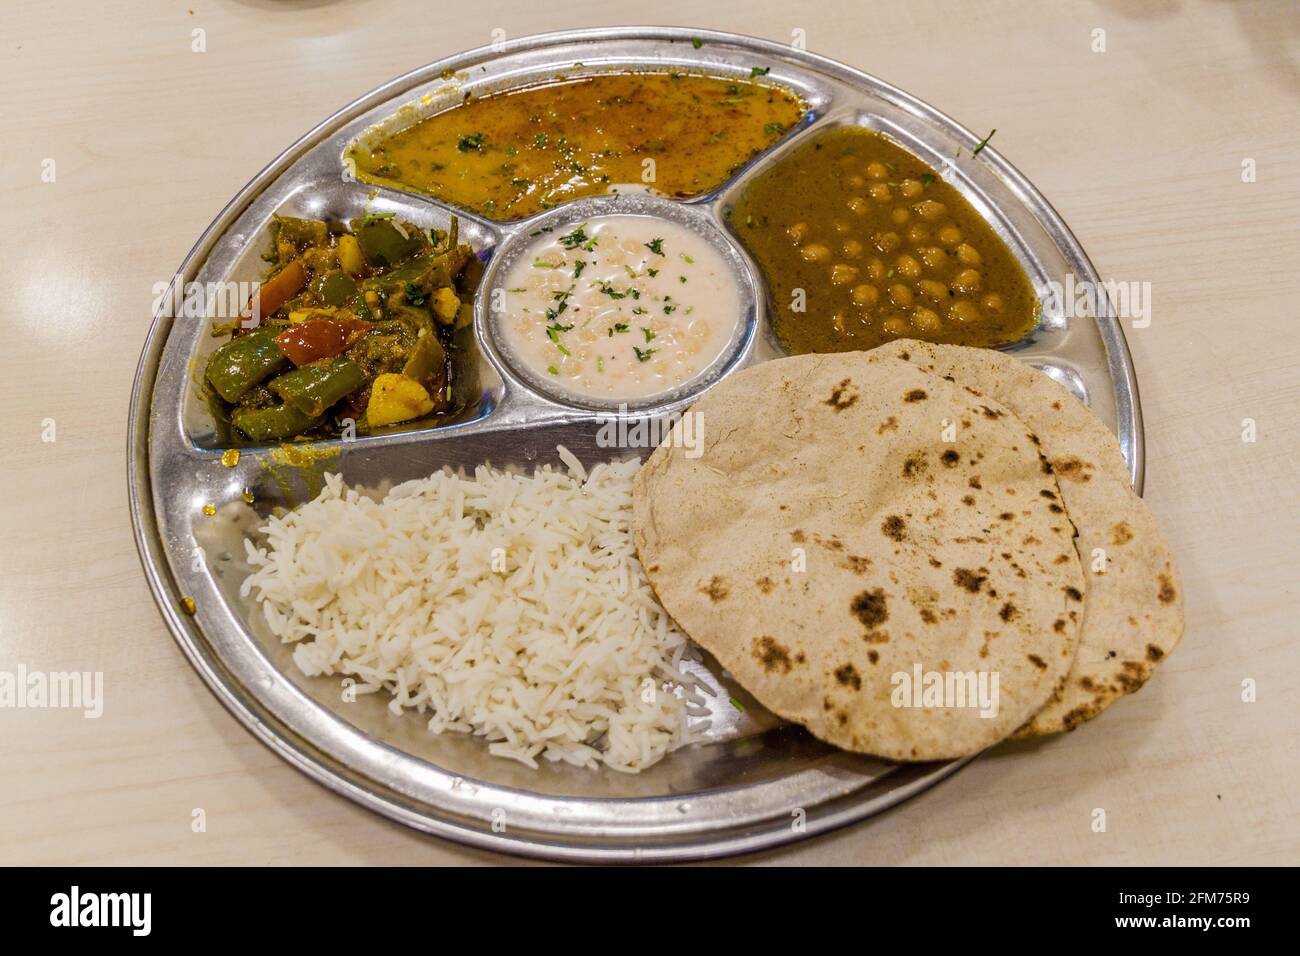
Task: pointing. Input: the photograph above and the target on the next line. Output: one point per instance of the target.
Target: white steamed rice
(502, 605)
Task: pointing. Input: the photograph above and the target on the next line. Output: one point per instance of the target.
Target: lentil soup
(512, 154)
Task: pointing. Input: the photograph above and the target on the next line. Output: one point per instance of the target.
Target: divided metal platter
(755, 782)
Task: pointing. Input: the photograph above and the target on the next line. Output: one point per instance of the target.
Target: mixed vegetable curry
(513, 154)
(351, 330)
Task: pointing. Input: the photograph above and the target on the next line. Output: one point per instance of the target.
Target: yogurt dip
(618, 307)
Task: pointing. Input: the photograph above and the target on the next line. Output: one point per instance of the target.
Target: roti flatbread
(1133, 616)
(853, 527)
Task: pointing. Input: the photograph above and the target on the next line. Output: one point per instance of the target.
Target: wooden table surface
(1141, 148)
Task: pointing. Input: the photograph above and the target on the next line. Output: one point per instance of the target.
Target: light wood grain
(1140, 148)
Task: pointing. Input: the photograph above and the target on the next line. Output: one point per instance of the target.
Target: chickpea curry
(862, 242)
(512, 154)
(352, 329)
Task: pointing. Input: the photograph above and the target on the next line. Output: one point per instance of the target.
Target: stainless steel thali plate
(755, 782)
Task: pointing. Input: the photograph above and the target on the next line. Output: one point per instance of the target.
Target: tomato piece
(318, 339)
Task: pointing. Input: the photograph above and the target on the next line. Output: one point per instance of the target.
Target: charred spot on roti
(772, 655)
(1062, 559)
(1073, 593)
(1087, 683)
(968, 579)
(975, 483)
(1046, 493)
(915, 395)
(1055, 508)
(766, 584)
(935, 563)
(968, 500)
(857, 563)
(990, 412)
(847, 676)
(888, 425)
(1009, 612)
(1006, 516)
(843, 395)
(870, 608)
(798, 536)
(894, 528)
(928, 616)
(873, 656)
(1046, 466)
(716, 588)
(1166, 592)
(1037, 661)
(1071, 469)
(1121, 533)
(1154, 653)
(1132, 676)
(915, 465)
(950, 458)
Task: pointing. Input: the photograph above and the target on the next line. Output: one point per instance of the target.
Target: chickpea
(933, 290)
(852, 249)
(933, 257)
(968, 255)
(837, 321)
(877, 171)
(886, 241)
(968, 280)
(994, 303)
(841, 227)
(927, 320)
(917, 234)
(842, 274)
(900, 216)
(856, 182)
(930, 209)
(901, 294)
(798, 232)
(908, 267)
(950, 235)
(910, 188)
(963, 310)
(896, 326)
(865, 294)
(876, 269)
(858, 206)
(880, 192)
(815, 252)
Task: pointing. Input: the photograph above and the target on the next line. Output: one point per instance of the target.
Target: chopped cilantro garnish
(697, 42)
(649, 333)
(643, 356)
(927, 178)
(760, 71)
(474, 141)
(553, 370)
(553, 333)
(414, 294)
(774, 129)
(656, 246)
(984, 142)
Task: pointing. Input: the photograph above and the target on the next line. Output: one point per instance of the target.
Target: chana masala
(512, 154)
(863, 243)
